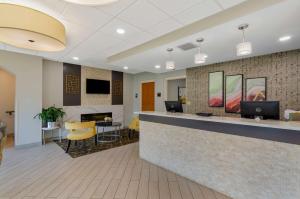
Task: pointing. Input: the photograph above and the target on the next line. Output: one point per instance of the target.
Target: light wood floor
(47, 172)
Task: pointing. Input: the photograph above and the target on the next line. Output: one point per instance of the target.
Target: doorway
(148, 96)
(176, 90)
(7, 104)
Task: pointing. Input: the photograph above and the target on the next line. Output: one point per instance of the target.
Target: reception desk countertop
(231, 120)
(279, 131)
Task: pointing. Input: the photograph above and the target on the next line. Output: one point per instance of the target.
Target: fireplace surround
(95, 116)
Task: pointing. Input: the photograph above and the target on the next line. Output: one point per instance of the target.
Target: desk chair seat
(80, 131)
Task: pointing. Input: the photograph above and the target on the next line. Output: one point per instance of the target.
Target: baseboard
(25, 146)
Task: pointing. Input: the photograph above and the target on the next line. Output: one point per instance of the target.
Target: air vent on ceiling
(187, 46)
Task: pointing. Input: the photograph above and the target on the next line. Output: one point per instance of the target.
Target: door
(148, 96)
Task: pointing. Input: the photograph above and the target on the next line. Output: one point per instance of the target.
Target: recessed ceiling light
(157, 66)
(76, 58)
(285, 38)
(125, 67)
(120, 31)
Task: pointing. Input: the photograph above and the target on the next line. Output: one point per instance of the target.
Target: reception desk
(242, 158)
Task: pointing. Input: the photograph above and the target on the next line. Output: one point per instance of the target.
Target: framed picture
(216, 89)
(233, 93)
(256, 89)
(182, 95)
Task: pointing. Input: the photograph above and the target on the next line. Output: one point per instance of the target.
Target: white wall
(160, 81)
(7, 99)
(52, 83)
(29, 84)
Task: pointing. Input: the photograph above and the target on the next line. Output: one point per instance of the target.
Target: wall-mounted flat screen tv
(95, 86)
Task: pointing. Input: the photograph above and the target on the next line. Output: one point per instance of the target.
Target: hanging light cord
(243, 35)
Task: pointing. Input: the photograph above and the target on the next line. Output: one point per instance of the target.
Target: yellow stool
(80, 131)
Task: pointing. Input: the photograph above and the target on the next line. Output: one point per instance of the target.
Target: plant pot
(51, 124)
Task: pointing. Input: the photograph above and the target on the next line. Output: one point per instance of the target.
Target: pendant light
(27, 28)
(200, 58)
(170, 65)
(92, 2)
(244, 48)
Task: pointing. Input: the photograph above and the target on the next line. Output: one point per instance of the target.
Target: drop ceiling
(91, 31)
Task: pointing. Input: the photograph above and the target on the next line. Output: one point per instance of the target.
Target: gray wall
(160, 81)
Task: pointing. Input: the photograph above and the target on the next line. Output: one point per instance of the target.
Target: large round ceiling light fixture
(27, 28)
(92, 2)
(244, 48)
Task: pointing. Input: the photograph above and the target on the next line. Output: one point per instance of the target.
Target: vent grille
(187, 46)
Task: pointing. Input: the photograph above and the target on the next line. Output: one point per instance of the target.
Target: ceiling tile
(164, 27)
(143, 14)
(229, 3)
(95, 45)
(47, 6)
(198, 12)
(57, 5)
(173, 7)
(116, 8)
(85, 16)
(133, 36)
(110, 29)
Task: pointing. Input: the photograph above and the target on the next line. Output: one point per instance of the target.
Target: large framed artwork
(256, 89)
(216, 89)
(233, 93)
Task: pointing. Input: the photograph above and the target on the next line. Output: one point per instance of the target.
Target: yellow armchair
(80, 131)
(134, 126)
(2, 139)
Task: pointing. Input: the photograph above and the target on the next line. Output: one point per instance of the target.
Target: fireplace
(95, 117)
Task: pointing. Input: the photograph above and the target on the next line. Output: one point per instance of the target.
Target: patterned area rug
(88, 146)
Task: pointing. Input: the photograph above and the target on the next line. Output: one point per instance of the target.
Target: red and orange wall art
(234, 93)
(216, 89)
(256, 89)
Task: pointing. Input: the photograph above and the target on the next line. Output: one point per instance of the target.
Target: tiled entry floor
(47, 172)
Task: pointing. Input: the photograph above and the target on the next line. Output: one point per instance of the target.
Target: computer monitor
(264, 109)
(174, 106)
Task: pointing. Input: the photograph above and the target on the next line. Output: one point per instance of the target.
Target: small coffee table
(116, 133)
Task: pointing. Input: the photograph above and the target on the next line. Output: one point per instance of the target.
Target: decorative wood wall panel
(117, 88)
(72, 85)
(281, 69)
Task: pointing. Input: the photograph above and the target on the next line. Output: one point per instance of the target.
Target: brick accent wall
(281, 69)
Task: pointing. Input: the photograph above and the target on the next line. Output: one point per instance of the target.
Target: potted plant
(49, 116)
